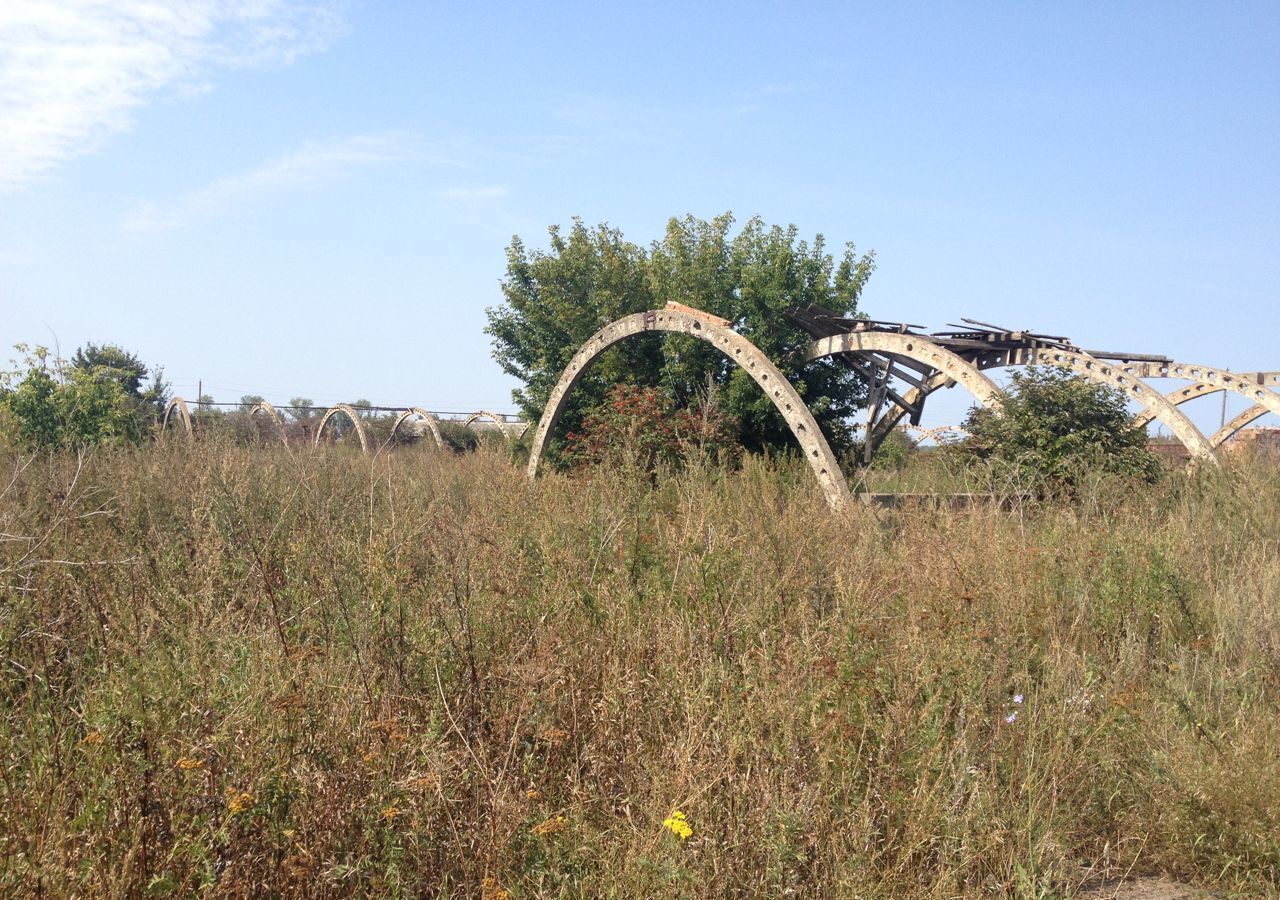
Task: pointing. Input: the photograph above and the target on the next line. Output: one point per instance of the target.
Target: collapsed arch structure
(717, 333)
(881, 352)
(432, 424)
(184, 414)
(352, 415)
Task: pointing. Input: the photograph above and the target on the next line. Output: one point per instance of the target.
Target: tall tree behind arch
(554, 300)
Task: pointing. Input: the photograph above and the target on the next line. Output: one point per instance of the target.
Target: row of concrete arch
(179, 410)
(946, 369)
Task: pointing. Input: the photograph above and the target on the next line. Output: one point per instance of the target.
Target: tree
(112, 362)
(1053, 428)
(301, 411)
(554, 300)
(50, 406)
(249, 401)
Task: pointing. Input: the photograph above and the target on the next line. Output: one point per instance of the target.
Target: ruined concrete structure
(904, 367)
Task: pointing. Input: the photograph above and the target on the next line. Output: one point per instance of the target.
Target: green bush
(1053, 430)
(49, 406)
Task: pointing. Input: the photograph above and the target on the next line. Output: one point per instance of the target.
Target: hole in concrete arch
(910, 347)
(815, 451)
(800, 426)
(764, 376)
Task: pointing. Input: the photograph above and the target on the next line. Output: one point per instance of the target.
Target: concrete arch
(266, 409)
(503, 425)
(1257, 386)
(423, 414)
(953, 366)
(919, 435)
(1229, 430)
(935, 434)
(817, 452)
(355, 421)
(1122, 377)
(183, 413)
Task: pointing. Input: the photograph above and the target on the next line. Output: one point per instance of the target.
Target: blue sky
(291, 198)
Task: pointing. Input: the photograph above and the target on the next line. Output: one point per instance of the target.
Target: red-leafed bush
(642, 427)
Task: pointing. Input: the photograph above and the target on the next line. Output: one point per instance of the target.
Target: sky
(293, 198)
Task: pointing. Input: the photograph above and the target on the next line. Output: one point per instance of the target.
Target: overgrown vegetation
(1053, 430)
(253, 672)
(642, 429)
(97, 398)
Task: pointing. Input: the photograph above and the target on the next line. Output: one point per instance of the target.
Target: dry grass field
(235, 671)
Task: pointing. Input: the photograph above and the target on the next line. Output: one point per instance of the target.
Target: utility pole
(200, 395)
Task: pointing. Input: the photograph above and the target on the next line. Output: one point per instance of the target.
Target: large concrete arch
(503, 425)
(266, 409)
(426, 416)
(183, 413)
(1122, 377)
(1259, 387)
(817, 452)
(355, 421)
(912, 346)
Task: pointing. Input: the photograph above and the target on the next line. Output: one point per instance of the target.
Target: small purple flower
(1017, 698)
(1011, 718)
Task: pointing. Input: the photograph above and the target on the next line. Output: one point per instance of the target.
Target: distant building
(1263, 440)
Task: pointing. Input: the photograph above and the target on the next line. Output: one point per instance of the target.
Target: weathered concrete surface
(1257, 386)
(816, 450)
(355, 421)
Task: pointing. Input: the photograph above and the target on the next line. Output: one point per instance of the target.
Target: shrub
(50, 406)
(642, 427)
(1053, 429)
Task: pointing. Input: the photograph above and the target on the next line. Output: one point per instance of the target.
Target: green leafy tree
(554, 300)
(249, 401)
(52, 407)
(300, 411)
(1052, 429)
(109, 361)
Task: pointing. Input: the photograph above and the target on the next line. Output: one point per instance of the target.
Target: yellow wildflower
(238, 801)
(554, 825)
(188, 763)
(678, 825)
(490, 889)
(93, 737)
(533, 794)
(390, 813)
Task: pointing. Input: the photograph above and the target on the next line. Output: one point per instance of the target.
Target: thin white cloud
(476, 192)
(74, 72)
(311, 164)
